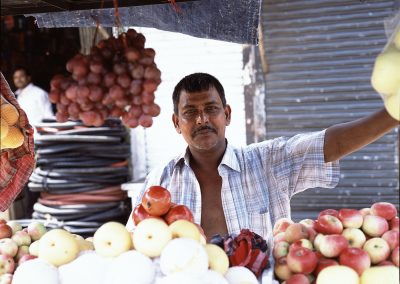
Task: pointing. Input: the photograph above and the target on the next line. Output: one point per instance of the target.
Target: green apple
(58, 247)
(15, 226)
(112, 239)
(217, 258)
(380, 274)
(36, 230)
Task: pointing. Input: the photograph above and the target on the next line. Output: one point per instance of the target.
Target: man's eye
(212, 109)
(190, 112)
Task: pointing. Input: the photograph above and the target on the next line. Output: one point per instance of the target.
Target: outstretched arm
(343, 139)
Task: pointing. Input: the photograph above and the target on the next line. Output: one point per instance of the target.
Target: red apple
(311, 234)
(308, 223)
(331, 212)
(395, 256)
(298, 279)
(365, 211)
(305, 243)
(333, 245)
(281, 225)
(281, 269)
(351, 218)
(355, 237)
(384, 209)
(280, 249)
(7, 264)
(296, 232)
(385, 263)
(5, 231)
(178, 212)
(280, 237)
(139, 214)
(375, 226)
(302, 260)
(355, 258)
(156, 200)
(324, 262)
(328, 225)
(394, 224)
(392, 238)
(377, 249)
(26, 257)
(3, 221)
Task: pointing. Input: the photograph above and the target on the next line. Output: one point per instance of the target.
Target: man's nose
(202, 117)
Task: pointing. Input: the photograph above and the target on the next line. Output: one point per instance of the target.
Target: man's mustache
(196, 131)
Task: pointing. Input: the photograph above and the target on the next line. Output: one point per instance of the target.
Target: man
(32, 99)
(230, 188)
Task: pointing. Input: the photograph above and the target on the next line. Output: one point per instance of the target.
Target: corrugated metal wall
(320, 56)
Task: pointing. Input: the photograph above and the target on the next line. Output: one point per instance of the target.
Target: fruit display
(117, 79)
(11, 136)
(346, 246)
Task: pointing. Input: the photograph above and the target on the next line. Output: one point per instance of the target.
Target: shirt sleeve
(298, 163)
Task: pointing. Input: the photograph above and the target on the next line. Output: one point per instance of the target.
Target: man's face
(21, 80)
(202, 119)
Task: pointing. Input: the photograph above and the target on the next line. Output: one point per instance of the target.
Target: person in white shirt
(32, 99)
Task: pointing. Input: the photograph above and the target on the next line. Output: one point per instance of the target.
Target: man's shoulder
(36, 89)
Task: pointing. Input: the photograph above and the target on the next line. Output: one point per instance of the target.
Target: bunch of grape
(117, 79)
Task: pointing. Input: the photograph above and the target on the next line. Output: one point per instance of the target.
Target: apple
(385, 263)
(323, 263)
(338, 274)
(22, 250)
(355, 258)
(112, 239)
(395, 256)
(355, 237)
(375, 226)
(302, 260)
(15, 226)
(328, 225)
(384, 209)
(7, 264)
(281, 268)
(151, 236)
(392, 238)
(6, 278)
(333, 245)
(394, 223)
(298, 279)
(22, 238)
(309, 223)
(331, 212)
(365, 211)
(351, 218)
(5, 231)
(280, 237)
(36, 271)
(317, 241)
(281, 225)
(58, 247)
(139, 214)
(26, 257)
(377, 249)
(295, 232)
(311, 234)
(305, 243)
(240, 275)
(156, 200)
(3, 221)
(8, 247)
(178, 212)
(217, 258)
(280, 249)
(183, 255)
(380, 274)
(34, 248)
(85, 245)
(36, 230)
(184, 229)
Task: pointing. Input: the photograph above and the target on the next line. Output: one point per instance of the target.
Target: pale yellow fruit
(380, 274)
(14, 138)
(397, 39)
(386, 73)
(34, 248)
(217, 258)
(3, 129)
(58, 247)
(392, 105)
(112, 239)
(184, 229)
(338, 274)
(85, 245)
(9, 113)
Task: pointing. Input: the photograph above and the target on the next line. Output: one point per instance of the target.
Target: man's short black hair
(197, 82)
(22, 68)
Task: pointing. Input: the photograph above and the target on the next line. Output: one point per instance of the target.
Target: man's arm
(343, 139)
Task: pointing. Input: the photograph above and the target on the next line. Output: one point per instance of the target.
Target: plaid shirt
(258, 180)
(16, 165)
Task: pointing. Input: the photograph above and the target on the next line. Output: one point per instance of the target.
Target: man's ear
(175, 121)
(228, 112)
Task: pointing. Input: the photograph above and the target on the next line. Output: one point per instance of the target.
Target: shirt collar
(19, 91)
(229, 159)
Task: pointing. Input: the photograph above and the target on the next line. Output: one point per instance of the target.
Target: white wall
(179, 55)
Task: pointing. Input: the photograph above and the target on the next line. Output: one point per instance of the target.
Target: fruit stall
(78, 233)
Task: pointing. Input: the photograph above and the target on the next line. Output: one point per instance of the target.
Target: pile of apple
(17, 245)
(166, 247)
(348, 246)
